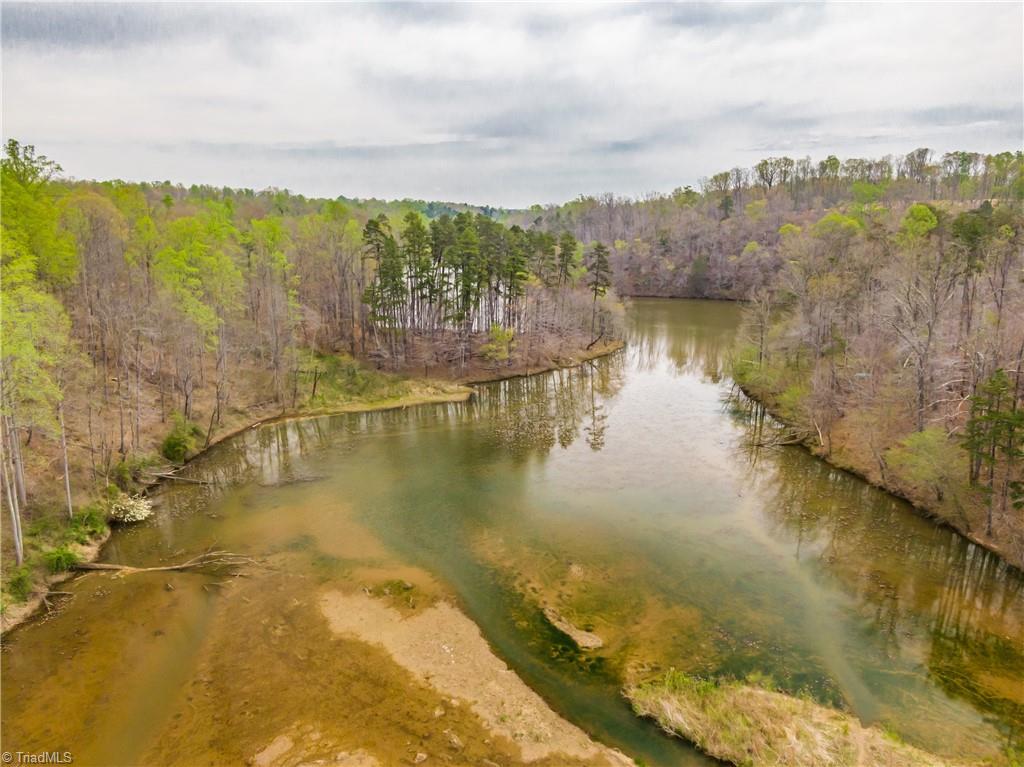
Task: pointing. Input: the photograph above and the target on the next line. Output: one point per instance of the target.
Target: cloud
(499, 103)
(83, 25)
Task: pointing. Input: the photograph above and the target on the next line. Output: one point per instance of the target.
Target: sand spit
(445, 649)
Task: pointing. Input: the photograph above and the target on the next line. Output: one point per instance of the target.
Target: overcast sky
(500, 104)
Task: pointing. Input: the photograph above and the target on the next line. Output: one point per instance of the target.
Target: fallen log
(213, 560)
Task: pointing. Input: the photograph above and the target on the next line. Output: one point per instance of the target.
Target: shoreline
(920, 509)
(423, 392)
(561, 363)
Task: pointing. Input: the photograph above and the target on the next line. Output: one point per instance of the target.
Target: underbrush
(49, 539)
(341, 379)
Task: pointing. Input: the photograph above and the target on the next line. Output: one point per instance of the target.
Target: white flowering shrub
(130, 508)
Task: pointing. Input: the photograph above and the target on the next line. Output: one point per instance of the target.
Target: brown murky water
(620, 494)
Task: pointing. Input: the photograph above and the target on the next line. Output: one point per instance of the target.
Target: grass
(747, 724)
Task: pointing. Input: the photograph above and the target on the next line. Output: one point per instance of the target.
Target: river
(624, 494)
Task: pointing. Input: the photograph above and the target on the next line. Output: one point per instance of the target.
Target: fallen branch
(175, 477)
(213, 560)
(783, 440)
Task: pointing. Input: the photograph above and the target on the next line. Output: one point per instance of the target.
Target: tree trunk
(64, 454)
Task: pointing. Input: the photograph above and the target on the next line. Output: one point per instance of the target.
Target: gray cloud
(499, 103)
(121, 25)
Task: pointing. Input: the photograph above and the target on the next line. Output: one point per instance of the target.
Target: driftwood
(212, 560)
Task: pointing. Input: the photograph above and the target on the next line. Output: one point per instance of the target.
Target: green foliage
(756, 210)
(751, 249)
(927, 458)
(697, 282)
(88, 523)
(60, 559)
(994, 431)
(19, 583)
(865, 193)
(918, 223)
(600, 270)
(792, 401)
(836, 227)
(500, 346)
(182, 440)
(125, 473)
(35, 256)
(343, 379)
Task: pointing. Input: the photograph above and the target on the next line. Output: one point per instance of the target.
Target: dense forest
(722, 240)
(138, 318)
(885, 319)
(886, 310)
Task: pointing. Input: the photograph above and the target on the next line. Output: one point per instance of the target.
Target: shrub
(19, 584)
(182, 440)
(88, 523)
(128, 509)
(126, 473)
(60, 559)
(500, 346)
(928, 459)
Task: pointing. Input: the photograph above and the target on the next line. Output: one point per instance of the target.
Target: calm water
(624, 494)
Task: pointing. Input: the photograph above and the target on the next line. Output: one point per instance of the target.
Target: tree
(992, 438)
(34, 327)
(600, 280)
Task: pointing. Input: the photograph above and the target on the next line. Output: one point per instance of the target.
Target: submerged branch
(213, 560)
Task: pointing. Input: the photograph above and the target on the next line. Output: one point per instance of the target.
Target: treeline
(893, 340)
(122, 302)
(721, 241)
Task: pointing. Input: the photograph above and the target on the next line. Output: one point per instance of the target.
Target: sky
(501, 104)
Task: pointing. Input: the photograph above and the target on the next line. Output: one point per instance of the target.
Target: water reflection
(628, 495)
(924, 592)
(696, 342)
(533, 414)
